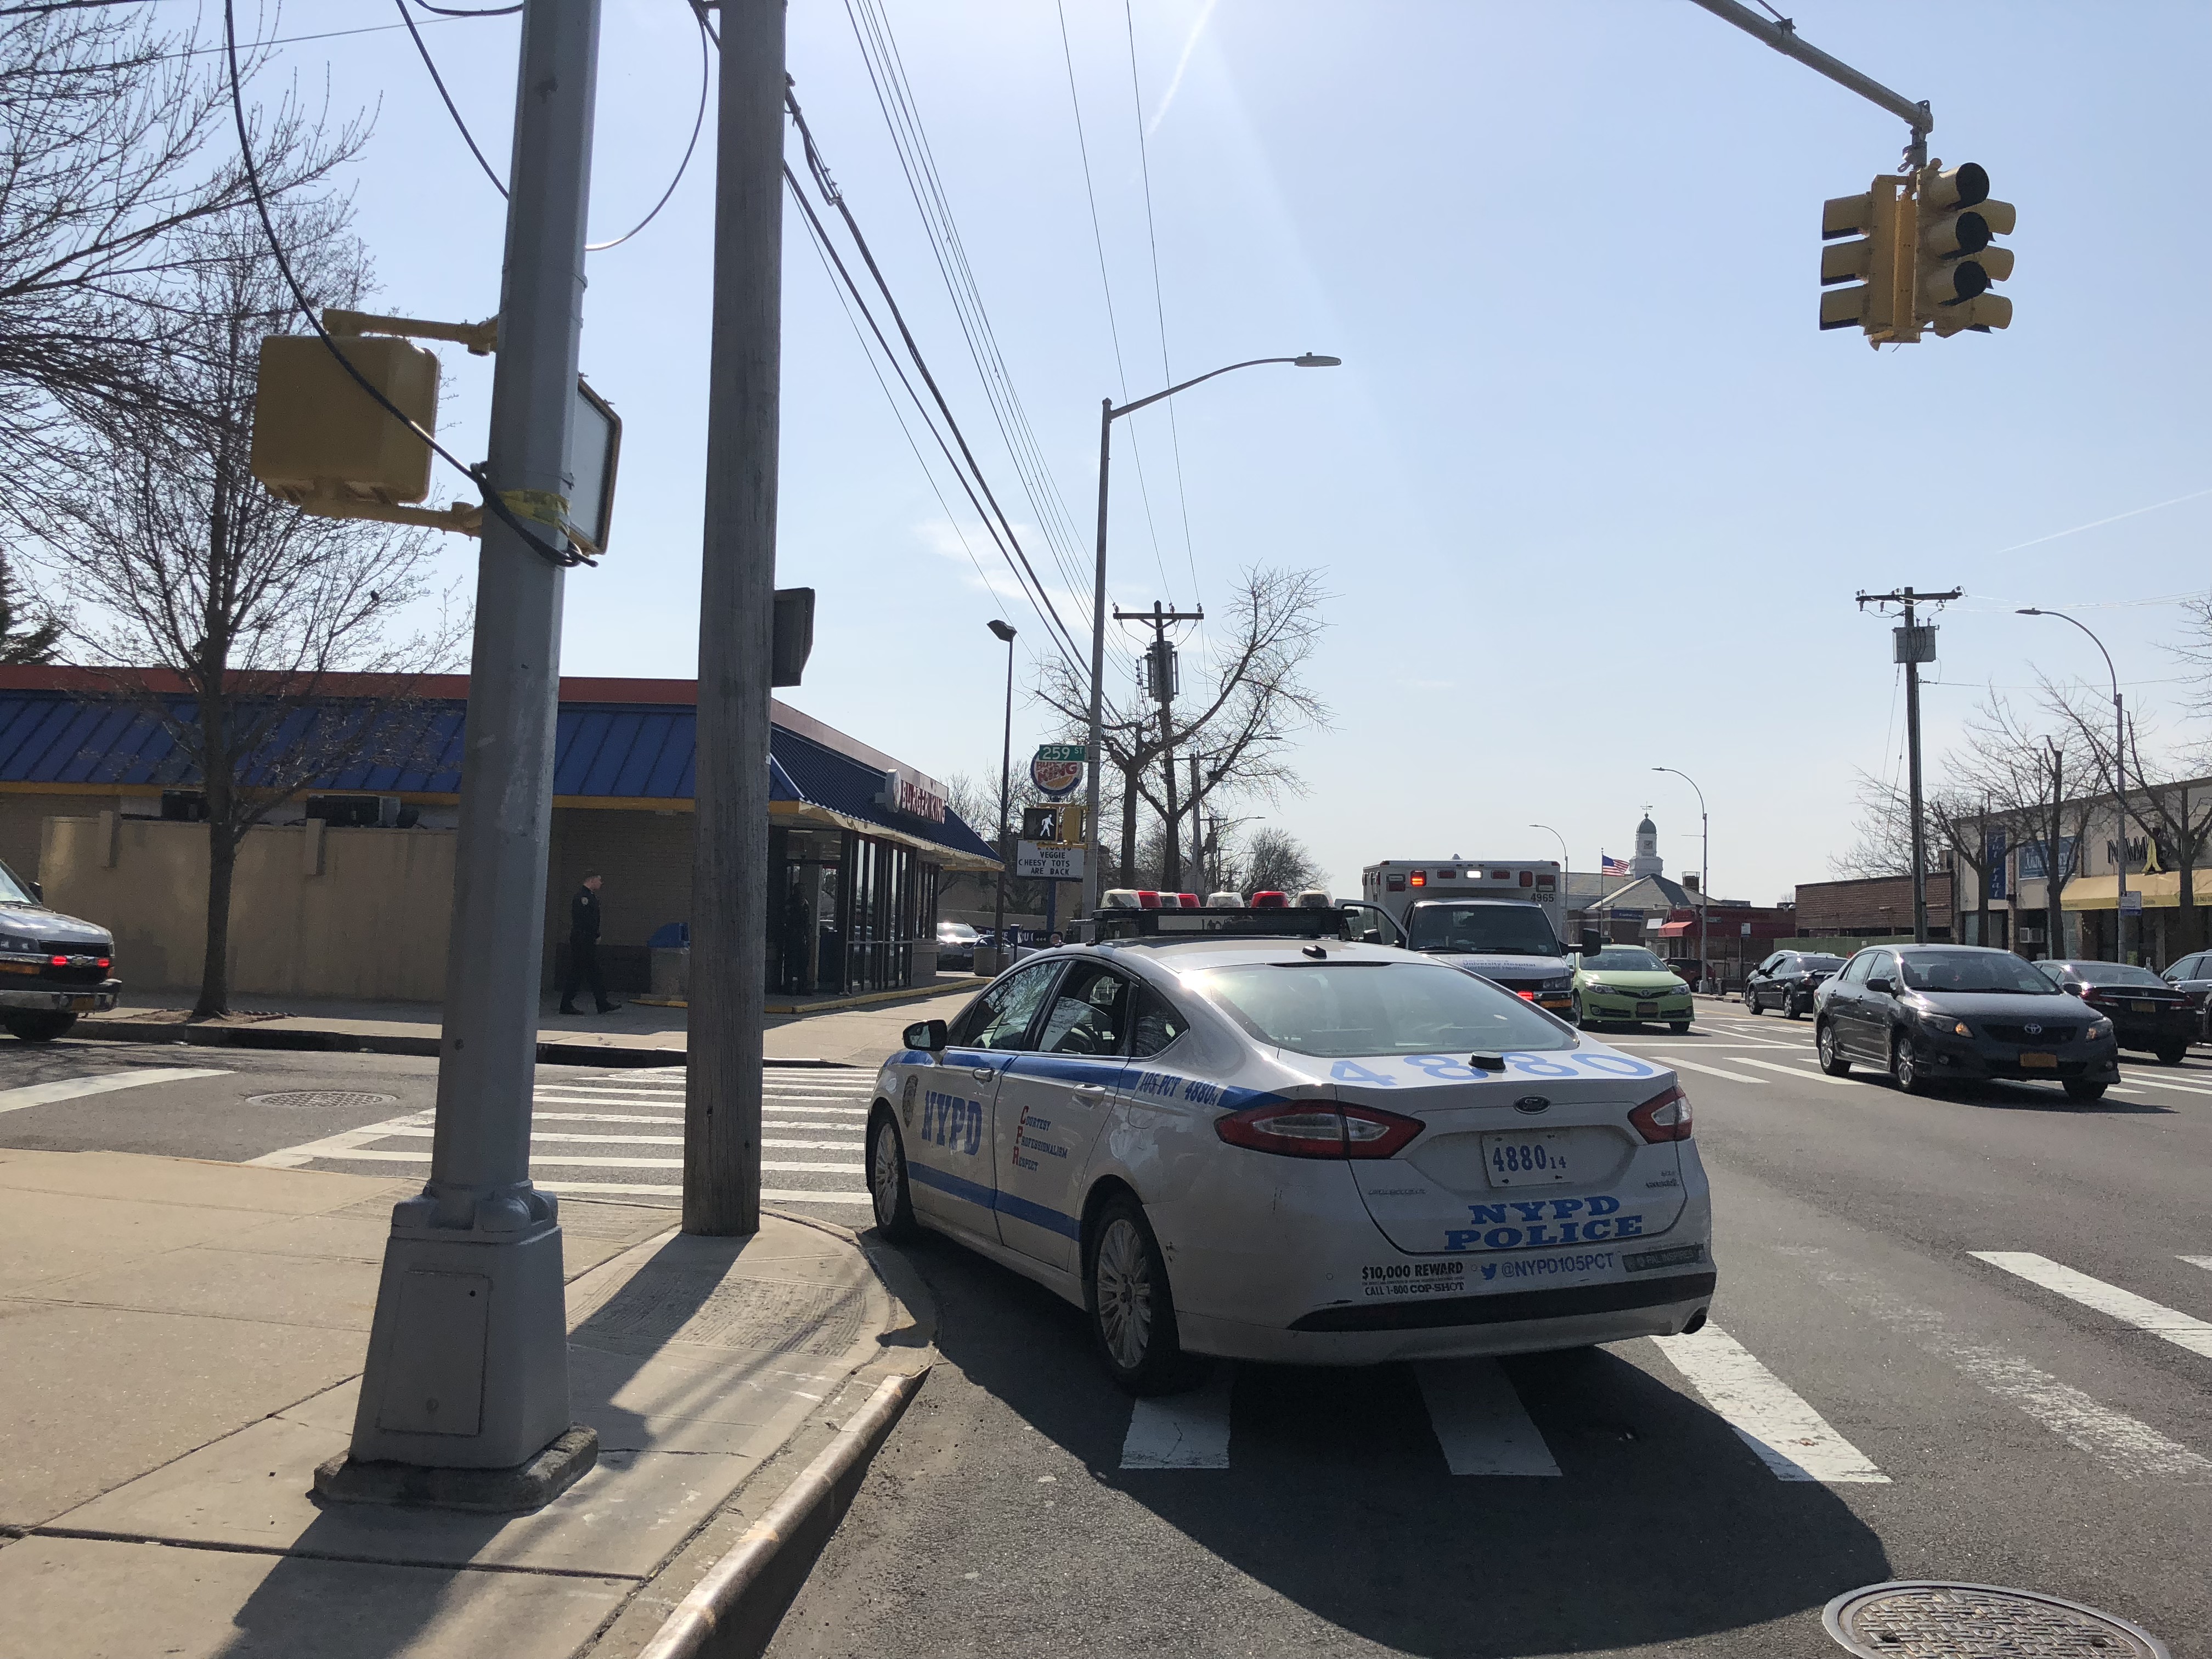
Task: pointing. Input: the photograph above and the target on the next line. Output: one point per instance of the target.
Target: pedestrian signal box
(320, 440)
(1055, 826)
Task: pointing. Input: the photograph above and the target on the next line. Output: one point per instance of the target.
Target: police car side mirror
(925, 1034)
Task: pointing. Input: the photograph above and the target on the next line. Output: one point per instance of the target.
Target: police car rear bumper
(81, 999)
(1527, 1322)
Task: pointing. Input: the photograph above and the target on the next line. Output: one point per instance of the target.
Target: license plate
(2047, 1063)
(79, 1005)
(2143, 1007)
(1537, 1158)
(1647, 1011)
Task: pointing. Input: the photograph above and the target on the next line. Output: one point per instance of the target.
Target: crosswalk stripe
(366, 1155)
(2183, 1330)
(1480, 1421)
(638, 1190)
(2124, 1444)
(2150, 1082)
(346, 1143)
(1793, 1071)
(74, 1088)
(1768, 1415)
(1713, 1071)
(2203, 1261)
(1183, 1431)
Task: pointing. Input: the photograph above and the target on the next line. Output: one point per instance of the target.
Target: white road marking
(366, 1156)
(569, 1139)
(73, 1088)
(2160, 1082)
(1769, 1417)
(1792, 1072)
(2203, 1261)
(1480, 1421)
(1713, 1071)
(768, 1194)
(347, 1143)
(1183, 1431)
(2183, 1330)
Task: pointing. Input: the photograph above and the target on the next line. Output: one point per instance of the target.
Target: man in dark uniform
(584, 949)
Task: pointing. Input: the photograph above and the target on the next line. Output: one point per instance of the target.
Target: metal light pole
(1108, 414)
(468, 1355)
(1565, 860)
(1006, 631)
(737, 606)
(2119, 793)
(1704, 880)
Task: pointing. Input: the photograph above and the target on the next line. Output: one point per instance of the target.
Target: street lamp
(1705, 878)
(1108, 414)
(2120, 793)
(1565, 860)
(1006, 631)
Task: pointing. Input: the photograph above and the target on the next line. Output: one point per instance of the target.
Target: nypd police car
(1244, 1134)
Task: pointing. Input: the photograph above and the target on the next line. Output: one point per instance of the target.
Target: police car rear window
(1377, 1008)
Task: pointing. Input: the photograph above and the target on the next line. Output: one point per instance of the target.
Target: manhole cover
(1920, 1619)
(319, 1099)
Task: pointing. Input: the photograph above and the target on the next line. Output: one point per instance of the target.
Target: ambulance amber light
(1418, 878)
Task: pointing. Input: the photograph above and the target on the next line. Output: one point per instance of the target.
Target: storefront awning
(1677, 929)
(2161, 890)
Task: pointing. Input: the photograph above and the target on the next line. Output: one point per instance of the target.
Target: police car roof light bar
(1290, 922)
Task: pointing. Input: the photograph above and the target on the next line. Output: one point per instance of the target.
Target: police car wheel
(37, 1028)
(1132, 1313)
(888, 1191)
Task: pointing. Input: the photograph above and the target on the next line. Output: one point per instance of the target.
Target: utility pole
(1197, 824)
(1160, 674)
(737, 601)
(1006, 631)
(1982, 869)
(1914, 646)
(468, 1355)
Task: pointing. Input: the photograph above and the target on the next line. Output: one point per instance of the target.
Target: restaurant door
(807, 946)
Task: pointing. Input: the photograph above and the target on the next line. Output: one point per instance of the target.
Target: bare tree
(116, 153)
(2035, 777)
(180, 562)
(1274, 859)
(1250, 705)
(29, 631)
(2158, 795)
(1882, 840)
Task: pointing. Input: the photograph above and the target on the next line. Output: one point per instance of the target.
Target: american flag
(1612, 867)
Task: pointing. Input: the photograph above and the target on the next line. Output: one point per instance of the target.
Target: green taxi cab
(1626, 984)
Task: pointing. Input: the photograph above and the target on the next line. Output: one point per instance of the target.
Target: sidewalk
(181, 1344)
(636, 1033)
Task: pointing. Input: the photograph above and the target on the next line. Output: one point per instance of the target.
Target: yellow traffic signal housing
(1956, 260)
(1879, 265)
(320, 440)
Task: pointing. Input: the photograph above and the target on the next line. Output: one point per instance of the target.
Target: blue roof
(629, 751)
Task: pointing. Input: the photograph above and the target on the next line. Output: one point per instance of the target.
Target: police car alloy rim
(1124, 1273)
(884, 1174)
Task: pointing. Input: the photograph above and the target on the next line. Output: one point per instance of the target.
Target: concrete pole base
(527, 1487)
(468, 1355)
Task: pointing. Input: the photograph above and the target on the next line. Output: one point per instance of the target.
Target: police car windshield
(1626, 959)
(1378, 1008)
(1973, 970)
(1497, 930)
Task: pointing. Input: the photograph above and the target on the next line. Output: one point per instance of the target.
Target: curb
(733, 1611)
(313, 1040)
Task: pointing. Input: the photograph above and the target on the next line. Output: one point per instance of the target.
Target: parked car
(52, 966)
(1930, 1014)
(1688, 969)
(1626, 984)
(2147, 1012)
(1786, 981)
(955, 944)
(2193, 975)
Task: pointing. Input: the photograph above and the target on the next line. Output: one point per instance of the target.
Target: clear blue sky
(1591, 492)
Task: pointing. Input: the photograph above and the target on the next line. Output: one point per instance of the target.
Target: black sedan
(1786, 981)
(1930, 1014)
(2147, 1011)
(2192, 976)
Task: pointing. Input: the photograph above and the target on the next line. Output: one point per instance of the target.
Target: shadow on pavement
(1662, 1528)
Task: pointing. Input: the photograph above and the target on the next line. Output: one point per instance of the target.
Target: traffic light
(1877, 264)
(1956, 260)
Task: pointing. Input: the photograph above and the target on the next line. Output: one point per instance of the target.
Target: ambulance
(1505, 919)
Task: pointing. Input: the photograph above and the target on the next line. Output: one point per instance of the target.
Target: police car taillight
(1308, 1129)
(1663, 1117)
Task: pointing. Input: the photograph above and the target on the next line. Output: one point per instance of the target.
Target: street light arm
(1688, 778)
(2113, 673)
(1116, 414)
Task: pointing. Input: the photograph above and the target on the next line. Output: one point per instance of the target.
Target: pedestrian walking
(584, 949)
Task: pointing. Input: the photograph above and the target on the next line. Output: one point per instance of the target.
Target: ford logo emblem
(2032, 1030)
(1531, 1104)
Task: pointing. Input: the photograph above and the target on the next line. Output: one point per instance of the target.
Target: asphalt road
(597, 1132)
(1984, 1321)
(1971, 1421)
